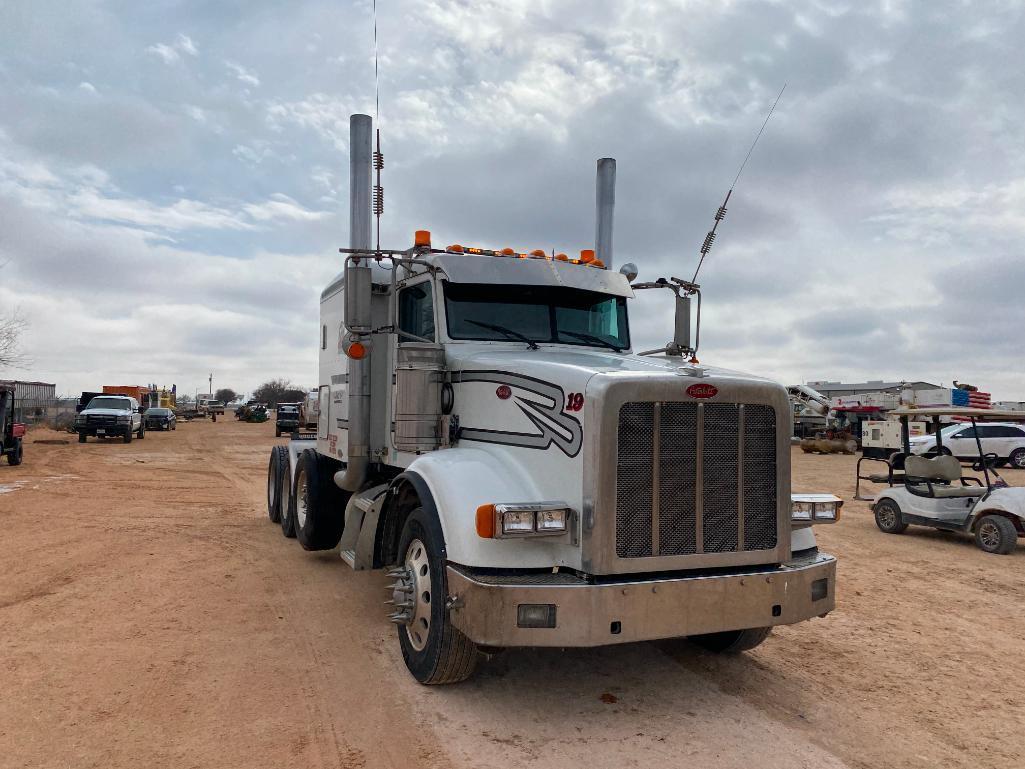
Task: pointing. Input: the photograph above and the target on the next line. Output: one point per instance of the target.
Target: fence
(54, 412)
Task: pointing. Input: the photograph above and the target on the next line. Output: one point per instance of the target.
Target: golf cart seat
(937, 477)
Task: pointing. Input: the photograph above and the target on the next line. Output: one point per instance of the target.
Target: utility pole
(211, 388)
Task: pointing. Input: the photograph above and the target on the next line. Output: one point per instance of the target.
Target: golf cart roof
(980, 415)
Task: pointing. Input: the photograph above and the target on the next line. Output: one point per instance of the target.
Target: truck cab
(488, 435)
(110, 416)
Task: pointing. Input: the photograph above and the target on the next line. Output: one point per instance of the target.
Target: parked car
(1005, 439)
(160, 419)
(287, 419)
(110, 416)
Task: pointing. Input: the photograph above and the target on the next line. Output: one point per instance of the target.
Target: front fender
(462, 479)
(1006, 501)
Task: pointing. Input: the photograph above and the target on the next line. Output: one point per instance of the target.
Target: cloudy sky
(173, 180)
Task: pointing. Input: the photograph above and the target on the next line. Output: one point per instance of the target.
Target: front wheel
(732, 641)
(128, 436)
(888, 517)
(81, 438)
(434, 651)
(1017, 459)
(142, 431)
(14, 458)
(996, 534)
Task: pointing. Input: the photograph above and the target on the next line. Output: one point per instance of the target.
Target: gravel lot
(151, 616)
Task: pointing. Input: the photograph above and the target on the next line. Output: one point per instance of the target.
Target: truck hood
(106, 412)
(572, 368)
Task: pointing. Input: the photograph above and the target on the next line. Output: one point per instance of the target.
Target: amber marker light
(454, 247)
(486, 521)
(586, 256)
(422, 238)
(598, 263)
(561, 258)
(507, 252)
(537, 252)
(356, 351)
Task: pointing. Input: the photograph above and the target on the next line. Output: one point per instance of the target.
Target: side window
(323, 337)
(1004, 431)
(969, 433)
(416, 311)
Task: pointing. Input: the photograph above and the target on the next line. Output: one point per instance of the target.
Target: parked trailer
(487, 435)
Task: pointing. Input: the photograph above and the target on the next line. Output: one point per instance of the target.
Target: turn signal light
(486, 521)
(422, 238)
(356, 351)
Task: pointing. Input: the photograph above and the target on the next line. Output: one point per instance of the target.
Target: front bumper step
(486, 608)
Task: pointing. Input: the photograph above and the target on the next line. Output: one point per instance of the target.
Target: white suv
(1005, 439)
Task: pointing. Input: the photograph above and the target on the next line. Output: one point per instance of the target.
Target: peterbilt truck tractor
(488, 436)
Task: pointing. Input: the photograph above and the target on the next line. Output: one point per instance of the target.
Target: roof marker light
(586, 255)
(561, 258)
(508, 252)
(598, 263)
(455, 247)
(537, 252)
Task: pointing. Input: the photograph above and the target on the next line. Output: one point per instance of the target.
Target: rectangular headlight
(517, 521)
(551, 521)
(815, 508)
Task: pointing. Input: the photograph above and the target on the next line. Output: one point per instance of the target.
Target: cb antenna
(721, 213)
(378, 196)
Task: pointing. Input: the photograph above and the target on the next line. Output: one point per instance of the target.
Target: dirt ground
(151, 616)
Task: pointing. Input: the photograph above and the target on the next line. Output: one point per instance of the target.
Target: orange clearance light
(454, 247)
(694, 359)
(422, 238)
(356, 351)
(598, 263)
(486, 521)
(561, 258)
(507, 252)
(537, 252)
(586, 256)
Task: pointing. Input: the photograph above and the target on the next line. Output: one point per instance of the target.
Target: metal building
(32, 392)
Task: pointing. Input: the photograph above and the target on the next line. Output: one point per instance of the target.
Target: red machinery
(11, 432)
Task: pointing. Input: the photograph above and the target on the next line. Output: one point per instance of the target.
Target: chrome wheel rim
(1019, 461)
(301, 499)
(989, 535)
(419, 569)
(887, 516)
(272, 487)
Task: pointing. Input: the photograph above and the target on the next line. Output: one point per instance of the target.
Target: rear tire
(14, 458)
(128, 436)
(81, 438)
(732, 641)
(142, 431)
(889, 519)
(319, 504)
(276, 472)
(445, 655)
(1017, 459)
(996, 534)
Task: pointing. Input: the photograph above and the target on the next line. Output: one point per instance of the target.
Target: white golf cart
(931, 491)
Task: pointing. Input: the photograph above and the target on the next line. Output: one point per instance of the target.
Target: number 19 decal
(574, 401)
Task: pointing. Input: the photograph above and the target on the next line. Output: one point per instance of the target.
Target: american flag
(972, 399)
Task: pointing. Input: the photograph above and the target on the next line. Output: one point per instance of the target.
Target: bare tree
(12, 326)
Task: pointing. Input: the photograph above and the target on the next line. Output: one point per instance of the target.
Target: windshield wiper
(593, 338)
(507, 331)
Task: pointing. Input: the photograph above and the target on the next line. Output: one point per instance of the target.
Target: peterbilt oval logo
(702, 391)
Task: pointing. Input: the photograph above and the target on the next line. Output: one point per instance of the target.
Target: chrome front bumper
(485, 606)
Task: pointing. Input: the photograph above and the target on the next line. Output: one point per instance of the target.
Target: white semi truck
(487, 435)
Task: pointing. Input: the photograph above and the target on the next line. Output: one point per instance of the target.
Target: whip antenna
(378, 197)
(720, 214)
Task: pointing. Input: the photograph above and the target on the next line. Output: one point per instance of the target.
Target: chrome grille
(695, 478)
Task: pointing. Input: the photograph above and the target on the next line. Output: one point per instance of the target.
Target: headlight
(124, 420)
(522, 519)
(815, 508)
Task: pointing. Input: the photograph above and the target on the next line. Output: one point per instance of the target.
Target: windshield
(109, 403)
(535, 313)
(156, 412)
(288, 409)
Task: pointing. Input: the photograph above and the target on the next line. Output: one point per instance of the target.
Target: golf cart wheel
(996, 534)
(888, 517)
(1017, 459)
(434, 651)
(732, 641)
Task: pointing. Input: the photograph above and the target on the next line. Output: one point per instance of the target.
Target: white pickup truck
(110, 416)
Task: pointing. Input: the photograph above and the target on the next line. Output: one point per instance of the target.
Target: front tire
(128, 436)
(142, 431)
(276, 472)
(434, 651)
(319, 503)
(996, 534)
(82, 438)
(1017, 459)
(732, 641)
(888, 517)
(14, 458)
